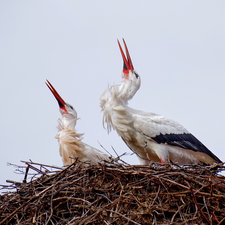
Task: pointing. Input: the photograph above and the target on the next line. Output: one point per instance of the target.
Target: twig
(123, 216)
(25, 177)
(195, 201)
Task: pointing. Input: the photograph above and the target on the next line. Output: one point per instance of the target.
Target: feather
(185, 141)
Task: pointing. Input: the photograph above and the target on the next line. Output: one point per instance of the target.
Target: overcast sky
(177, 47)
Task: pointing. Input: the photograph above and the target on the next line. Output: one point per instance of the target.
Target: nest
(116, 193)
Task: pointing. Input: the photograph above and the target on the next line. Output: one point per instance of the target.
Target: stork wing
(166, 131)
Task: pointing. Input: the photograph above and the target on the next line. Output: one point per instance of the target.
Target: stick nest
(115, 193)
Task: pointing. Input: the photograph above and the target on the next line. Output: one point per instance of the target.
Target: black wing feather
(186, 141)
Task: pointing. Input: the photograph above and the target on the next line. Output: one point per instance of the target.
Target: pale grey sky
(177, 47)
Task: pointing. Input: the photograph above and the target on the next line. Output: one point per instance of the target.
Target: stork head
(130, 79)
(69, 114)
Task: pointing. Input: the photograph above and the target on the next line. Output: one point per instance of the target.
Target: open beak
(127, 61)
(57, 96)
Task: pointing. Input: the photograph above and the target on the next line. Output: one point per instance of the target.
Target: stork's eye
(136, 75)
(71, 107)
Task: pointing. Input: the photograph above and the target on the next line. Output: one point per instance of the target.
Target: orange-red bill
(127, 61)
(128, 56)
(55, 93)
(125, 65)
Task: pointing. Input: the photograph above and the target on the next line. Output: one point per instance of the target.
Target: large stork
(152, 137)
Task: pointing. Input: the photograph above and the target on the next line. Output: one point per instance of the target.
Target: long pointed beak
(127, 61)
(57, 96)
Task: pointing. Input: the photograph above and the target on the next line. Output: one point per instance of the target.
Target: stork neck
(68, 122)
(126, 91)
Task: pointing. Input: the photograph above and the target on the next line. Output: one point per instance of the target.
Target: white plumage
(71, 146)
(154, 138)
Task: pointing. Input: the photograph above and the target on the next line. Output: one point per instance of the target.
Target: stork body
(71, 146)
(154, 138)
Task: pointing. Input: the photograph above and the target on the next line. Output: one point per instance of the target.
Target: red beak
(57, 96)
(127, 61)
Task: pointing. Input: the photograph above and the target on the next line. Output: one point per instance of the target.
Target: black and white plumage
(154, 138)
(71, 146)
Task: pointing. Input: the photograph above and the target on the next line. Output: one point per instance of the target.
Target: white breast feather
(71, 147)
(115, 113)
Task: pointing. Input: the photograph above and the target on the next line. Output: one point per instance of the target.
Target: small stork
(154, 138)
(70, 145)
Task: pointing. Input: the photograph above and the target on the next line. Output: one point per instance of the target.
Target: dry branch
(114, 193)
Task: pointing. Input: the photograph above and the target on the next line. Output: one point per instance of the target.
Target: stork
(152, 137)
(71, 146)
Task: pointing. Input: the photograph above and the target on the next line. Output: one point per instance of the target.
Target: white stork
(154, 138)
(70, 145)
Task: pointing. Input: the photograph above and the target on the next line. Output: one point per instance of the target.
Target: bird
(71, 146)
(152, 137)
